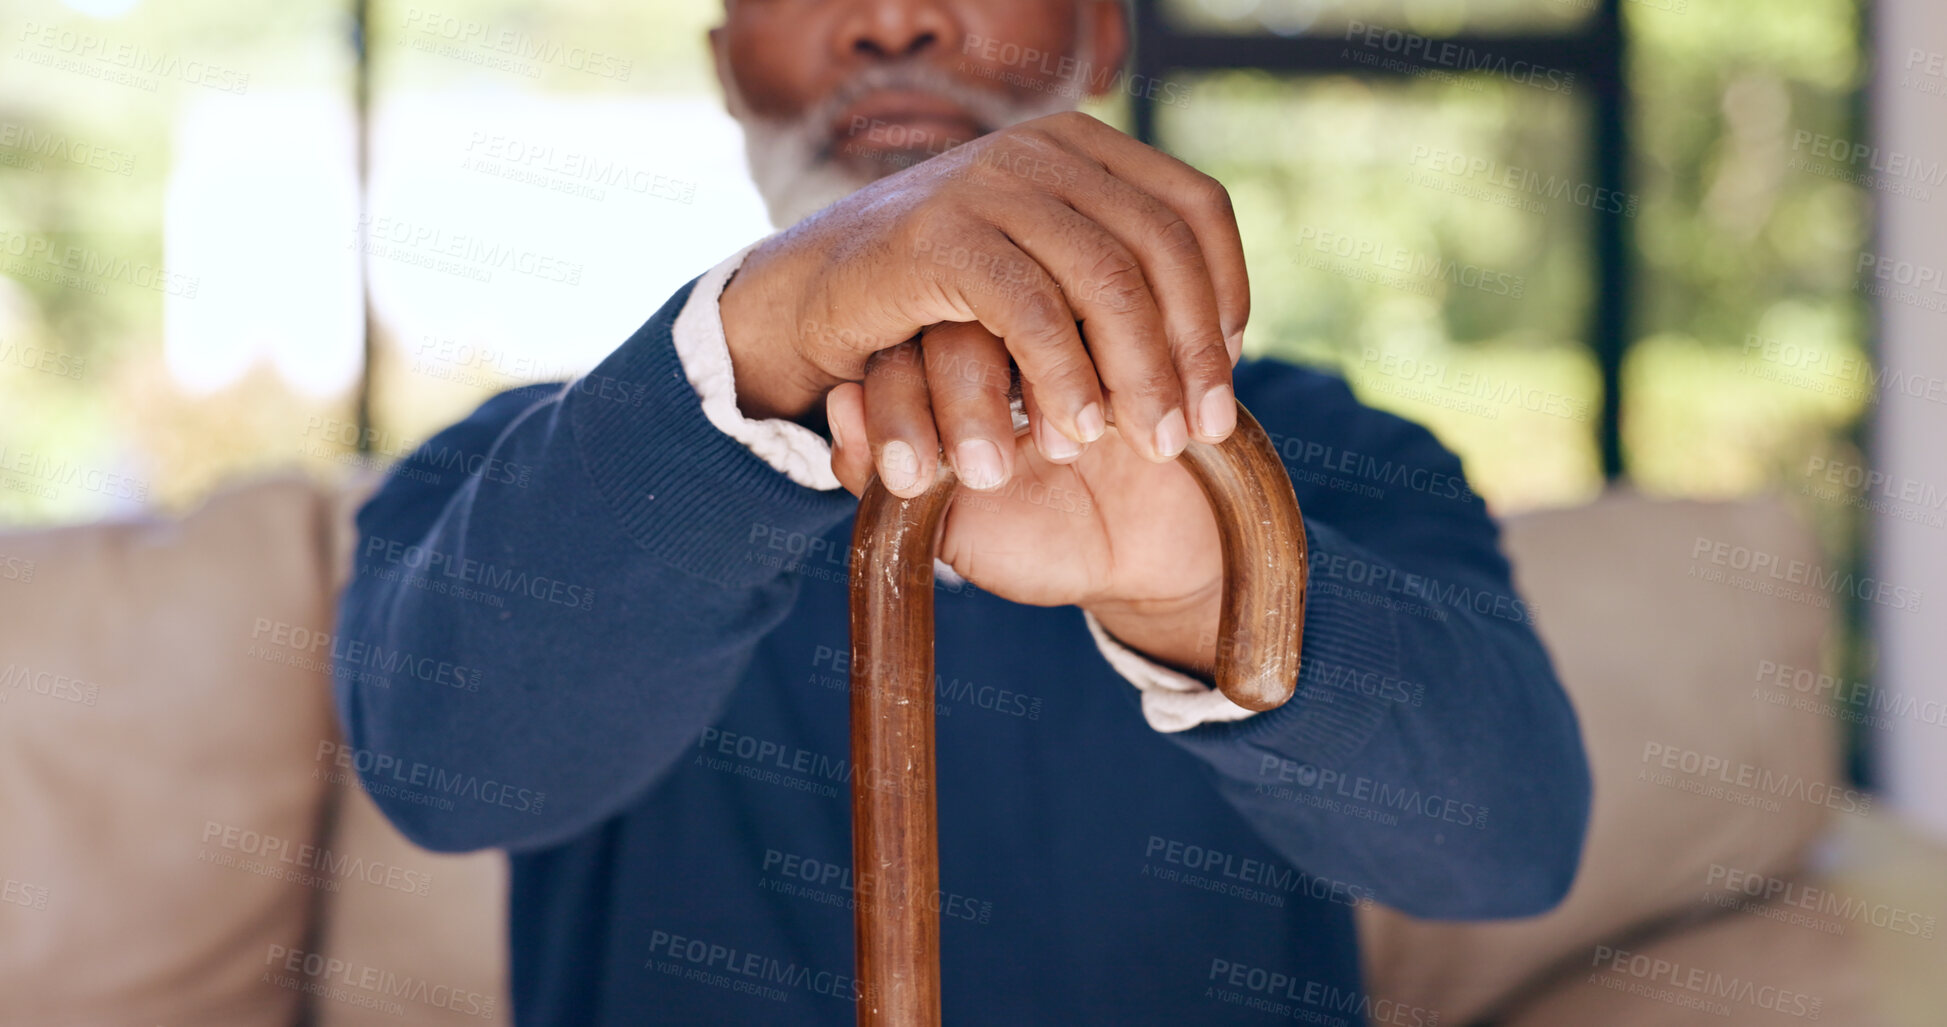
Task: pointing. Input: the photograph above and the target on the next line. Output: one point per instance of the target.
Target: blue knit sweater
(640, 639)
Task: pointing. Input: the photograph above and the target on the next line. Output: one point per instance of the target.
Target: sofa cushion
(422, 939)
(430, 930)
(1662, 654)
(1853, 941)
(1733, 971)
(1752, 968)
(159, 713)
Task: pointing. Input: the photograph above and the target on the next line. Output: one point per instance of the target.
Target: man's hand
(1048, 233)
(1111, 274)
(1132, 541)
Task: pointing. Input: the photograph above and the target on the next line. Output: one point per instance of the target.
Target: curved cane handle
(1262, 626)
(895, 830)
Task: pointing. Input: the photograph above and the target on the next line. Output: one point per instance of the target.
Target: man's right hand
(1047, 233)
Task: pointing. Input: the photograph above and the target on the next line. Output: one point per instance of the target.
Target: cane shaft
(895, 830)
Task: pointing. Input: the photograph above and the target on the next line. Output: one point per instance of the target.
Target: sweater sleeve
(1429, 752)
(592, 566)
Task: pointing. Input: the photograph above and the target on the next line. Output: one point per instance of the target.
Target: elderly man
(654, 722)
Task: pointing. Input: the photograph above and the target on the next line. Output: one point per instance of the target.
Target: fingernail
(1234, 342)
(978, 463)
(898, 466)
(1056, 446)
(1172, 434)
(1218, 412)
(1090, 423)
(837, 442)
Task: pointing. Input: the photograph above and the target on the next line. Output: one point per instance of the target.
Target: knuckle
(1072, 120)
(1116, 284)
(1176, 238)
(919, 236)
(932, 214)
(1033, 138)
(895, 367)
(1211, 194)
(961, 408)
(933, 225)
(1011, 270)
(1059, 369)
(956, 372)
(1044, 316)
(1039, 150)
(1100, 178)
(1203, 353)
(1154, 386)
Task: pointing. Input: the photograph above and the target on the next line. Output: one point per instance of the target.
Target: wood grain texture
(895, 827)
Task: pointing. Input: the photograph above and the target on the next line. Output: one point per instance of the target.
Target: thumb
(851, 450)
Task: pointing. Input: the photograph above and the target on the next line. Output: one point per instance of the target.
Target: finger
(1199, 199)
(1016, 298)
(899, 420)
(1168, 272)
(1179, 277)
(845, 415)
(1052, 446)
(1104, 285)
(967, 375)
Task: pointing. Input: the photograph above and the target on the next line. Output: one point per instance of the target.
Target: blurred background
(1581, 240)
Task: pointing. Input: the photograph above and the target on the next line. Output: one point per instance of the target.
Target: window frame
(1595, 53)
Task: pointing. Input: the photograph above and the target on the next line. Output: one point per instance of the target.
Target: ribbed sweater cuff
(1348, 677)
(685, 491)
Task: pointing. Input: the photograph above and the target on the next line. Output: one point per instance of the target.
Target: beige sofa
(181, 846)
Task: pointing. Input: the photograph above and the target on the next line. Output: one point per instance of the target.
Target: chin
(791, 201)
(793, 172)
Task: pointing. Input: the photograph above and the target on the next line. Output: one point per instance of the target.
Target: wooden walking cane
(895, 836)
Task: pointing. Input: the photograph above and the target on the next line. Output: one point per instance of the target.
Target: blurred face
(833, 94)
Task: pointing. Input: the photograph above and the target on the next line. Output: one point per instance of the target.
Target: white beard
(792, 160)
(794, 178)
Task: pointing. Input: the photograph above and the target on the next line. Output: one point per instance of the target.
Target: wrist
(773, 379)
(1178, 633)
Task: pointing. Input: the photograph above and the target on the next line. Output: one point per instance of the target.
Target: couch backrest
(182, 840)
(160, 707)
(1663, 644)
(431, 936)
